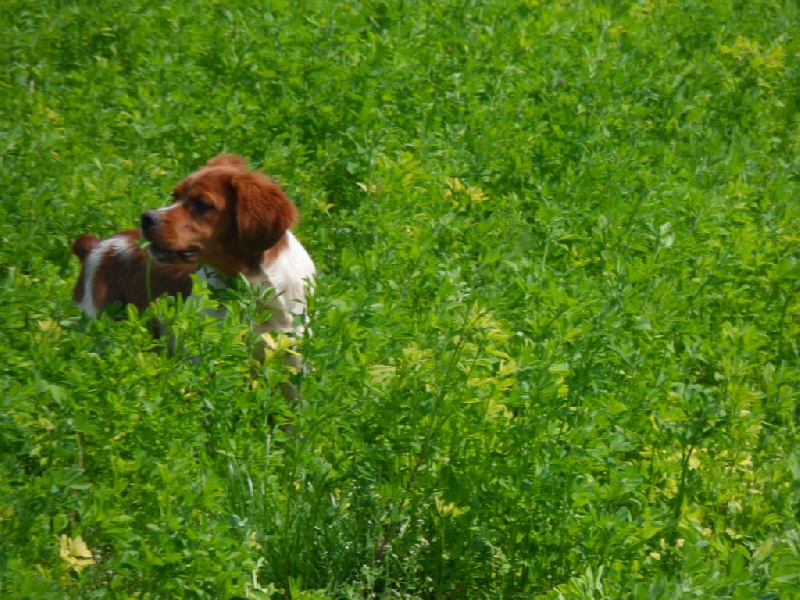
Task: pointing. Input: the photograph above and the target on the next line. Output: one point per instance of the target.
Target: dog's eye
(202, 206)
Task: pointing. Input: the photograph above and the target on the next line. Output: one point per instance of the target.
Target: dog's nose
(150, 220)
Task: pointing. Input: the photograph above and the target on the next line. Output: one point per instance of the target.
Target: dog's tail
(83, 245)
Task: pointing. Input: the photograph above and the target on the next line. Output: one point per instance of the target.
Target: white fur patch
(289, 275)
(287, 278)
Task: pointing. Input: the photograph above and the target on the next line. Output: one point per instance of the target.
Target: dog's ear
(83, 245)
(263, 211)
(227, 160)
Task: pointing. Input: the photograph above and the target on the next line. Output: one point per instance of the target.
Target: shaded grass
(555, 349)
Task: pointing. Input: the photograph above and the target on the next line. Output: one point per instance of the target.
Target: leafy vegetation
(555, 348)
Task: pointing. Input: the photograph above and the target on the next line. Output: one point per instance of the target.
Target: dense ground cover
(555, 347)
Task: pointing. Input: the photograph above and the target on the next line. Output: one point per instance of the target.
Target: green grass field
(557, 323)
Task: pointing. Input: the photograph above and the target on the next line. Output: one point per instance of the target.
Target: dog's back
(117, 270)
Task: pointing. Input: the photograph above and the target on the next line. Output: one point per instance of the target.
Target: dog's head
(223, 215)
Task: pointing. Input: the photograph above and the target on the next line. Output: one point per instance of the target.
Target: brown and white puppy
(225, 220)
